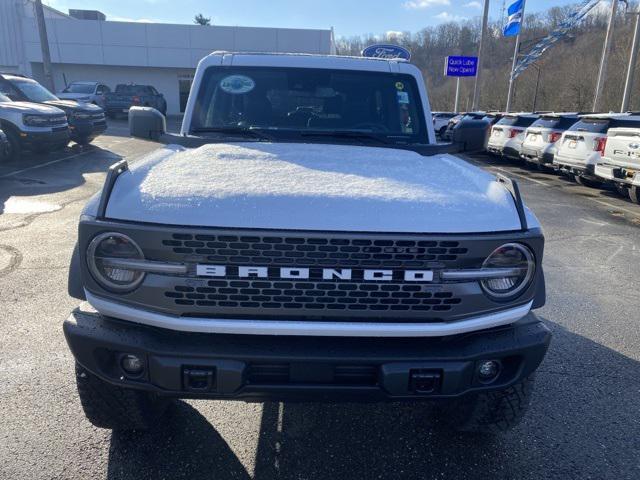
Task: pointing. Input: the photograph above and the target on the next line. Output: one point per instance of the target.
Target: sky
(348, 17)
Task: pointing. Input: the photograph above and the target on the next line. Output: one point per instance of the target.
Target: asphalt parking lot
(584, 422)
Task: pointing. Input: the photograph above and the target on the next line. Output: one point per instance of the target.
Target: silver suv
(32, 126)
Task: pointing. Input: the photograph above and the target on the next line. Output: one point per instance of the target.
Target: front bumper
(87, 129)
(261, 368)
(53, 138)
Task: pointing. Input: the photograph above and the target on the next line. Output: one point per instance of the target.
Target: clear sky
(348, 17)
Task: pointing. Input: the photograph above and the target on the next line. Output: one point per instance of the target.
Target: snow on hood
(312, 187)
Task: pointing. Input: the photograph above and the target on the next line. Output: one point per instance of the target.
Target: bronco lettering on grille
(297, 273)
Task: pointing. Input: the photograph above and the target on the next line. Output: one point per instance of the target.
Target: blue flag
(512, 28)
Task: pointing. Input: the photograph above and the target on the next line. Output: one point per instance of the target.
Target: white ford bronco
(306, 238)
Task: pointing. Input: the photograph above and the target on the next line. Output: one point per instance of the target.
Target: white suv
(32, 126)
(620, 163)
(582, 145)
(540, 143)
(508, 134)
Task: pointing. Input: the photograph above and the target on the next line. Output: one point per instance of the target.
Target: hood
(312, 187)
(72, 105)
(74, 96)
(28, 107)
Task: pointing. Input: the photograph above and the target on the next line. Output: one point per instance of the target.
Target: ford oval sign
(387, 51)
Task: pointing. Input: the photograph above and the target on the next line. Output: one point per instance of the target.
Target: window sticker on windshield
(403, 97)
(237, 84)
(399, 86)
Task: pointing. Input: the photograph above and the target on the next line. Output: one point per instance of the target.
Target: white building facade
(162, 55)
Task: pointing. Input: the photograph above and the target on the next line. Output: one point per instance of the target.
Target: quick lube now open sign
(455, 66)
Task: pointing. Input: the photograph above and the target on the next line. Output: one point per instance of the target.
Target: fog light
(488, 370)
(132, 364)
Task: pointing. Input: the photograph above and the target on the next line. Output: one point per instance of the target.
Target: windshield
(517, 121)
(4, 98)
(131, 89)
(80, 88)
(34, 91)
(591, 125)
(559, 123)
(304, 100)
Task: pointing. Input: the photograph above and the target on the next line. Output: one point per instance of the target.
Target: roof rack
(14, 74)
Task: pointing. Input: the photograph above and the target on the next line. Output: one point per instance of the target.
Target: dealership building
(85, 45)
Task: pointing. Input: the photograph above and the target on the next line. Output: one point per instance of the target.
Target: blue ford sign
(386, 51)
(461, 66)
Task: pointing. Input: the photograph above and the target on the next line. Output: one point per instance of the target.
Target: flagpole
(515, 60)
(606, 49)
(476, 85)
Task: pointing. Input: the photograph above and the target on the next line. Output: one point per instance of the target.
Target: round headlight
(519, 266)
(106, 248)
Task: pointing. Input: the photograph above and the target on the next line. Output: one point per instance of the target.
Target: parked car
(86, 121)
(507, 134)
(540, 139)
(87, 92)
(455, 121)
(4, 146)
(312, 265)
(474, 128)
(582, 145)
(32, 126)
(620, 163)
(440, 121)
(126, 96)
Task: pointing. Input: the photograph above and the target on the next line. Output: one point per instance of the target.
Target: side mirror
(147, 123)
(471, 135)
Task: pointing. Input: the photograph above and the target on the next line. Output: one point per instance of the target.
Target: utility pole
(483, 32)
(44, 45)
(605, 56)
(631, 69)
(515, 61)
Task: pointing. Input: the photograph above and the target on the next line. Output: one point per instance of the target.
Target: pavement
(584, 422)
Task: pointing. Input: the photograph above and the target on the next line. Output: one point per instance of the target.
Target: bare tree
(568, 70)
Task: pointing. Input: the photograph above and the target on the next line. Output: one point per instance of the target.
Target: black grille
(286, 374)
(316, 251)
(311, 296)
(57, 120)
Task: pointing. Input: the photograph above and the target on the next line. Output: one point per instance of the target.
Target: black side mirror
(147, 123)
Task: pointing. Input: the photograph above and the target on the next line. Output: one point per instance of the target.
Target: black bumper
(261, 368)
(534, 156)
(511, 152)
(87, 129)
(44, 140)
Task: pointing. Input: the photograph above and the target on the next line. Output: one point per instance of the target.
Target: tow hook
(424, 382)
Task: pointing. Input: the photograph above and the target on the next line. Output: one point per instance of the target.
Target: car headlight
(36, 120)
(81, 115)
(519, 265)
(104, 251)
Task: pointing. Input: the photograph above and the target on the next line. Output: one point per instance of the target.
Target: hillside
(568, 72)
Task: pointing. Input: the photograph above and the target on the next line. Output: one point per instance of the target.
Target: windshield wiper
(237, 131)
(356, 135)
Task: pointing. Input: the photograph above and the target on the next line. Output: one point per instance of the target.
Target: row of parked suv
(595, 149)
(34, 119)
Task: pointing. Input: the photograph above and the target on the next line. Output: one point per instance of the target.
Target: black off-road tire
(15, 149)
(492, 412)
(634, 194)
(587, 182)
(622, 189)
(116, 408)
